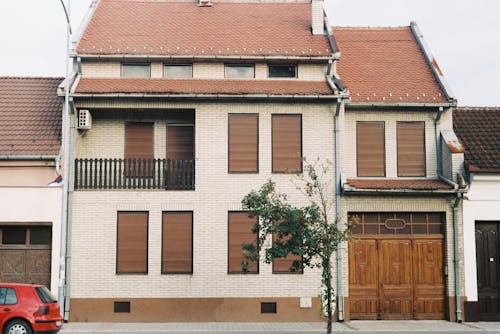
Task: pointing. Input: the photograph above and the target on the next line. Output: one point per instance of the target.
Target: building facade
(30, 218)
(478, 130)
(177, 119)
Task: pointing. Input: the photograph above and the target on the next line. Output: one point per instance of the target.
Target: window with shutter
(287, 143)
(177, 242)
(243, 143)
(180, 142)
(283, 265)
(138, 149)
(239, 233)
(411, 148)
(132, 243)
(370, 148)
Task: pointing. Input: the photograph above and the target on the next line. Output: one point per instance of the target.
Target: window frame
(176, 65)
(239, 65)
(134, 64)
(117, 272)
(257, 264)
(383, 148)
(163, 271)
(273, 171)
(256, 171)
(296, 74)
(288, 272)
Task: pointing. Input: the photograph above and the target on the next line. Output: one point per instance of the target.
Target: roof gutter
(28, 157)
(199, 57)
(332, 97)
(431, 61)
(354, 191)
(399, 105)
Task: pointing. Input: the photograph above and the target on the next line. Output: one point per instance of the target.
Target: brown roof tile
(479, 131)
(30, 116)
(404, 184)
(385, 65)
(198, 86)
(158, 27)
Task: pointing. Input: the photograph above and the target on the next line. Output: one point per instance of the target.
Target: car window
(8, 296)
(45, 295)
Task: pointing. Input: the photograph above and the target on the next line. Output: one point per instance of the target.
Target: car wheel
(18, 326)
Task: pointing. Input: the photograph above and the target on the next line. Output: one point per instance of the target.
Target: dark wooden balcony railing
(168, 174)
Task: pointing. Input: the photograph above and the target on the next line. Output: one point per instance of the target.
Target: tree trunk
(328, 286)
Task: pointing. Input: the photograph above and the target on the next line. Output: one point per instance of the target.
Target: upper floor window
(136, 70)
(243, 143)
(282, 71)
(411, 148)
(370, 148)
(240, 71)
(178, 71)
(287, 143)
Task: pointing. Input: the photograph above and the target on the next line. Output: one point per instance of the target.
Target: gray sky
(463, 35)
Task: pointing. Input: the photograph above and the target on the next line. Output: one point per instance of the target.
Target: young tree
(308, 232)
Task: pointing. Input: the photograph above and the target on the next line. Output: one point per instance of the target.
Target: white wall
(483, 203)
(33, 205)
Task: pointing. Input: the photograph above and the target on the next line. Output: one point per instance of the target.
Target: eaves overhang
(398, 192)
(393, 105)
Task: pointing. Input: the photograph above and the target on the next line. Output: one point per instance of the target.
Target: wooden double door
(396, 278)
(488, 270)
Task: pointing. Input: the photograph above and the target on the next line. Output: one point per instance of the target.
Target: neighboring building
(183, 108)
(479, 131)
(399, 179)
(30, 215)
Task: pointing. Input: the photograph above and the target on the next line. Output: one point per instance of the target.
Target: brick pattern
(306, 72)
(217, 192)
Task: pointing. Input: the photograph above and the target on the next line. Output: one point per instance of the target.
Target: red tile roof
(385, 65)
(198, 86)
(404, 184)
(30, 116)
(159, 27)
(479, 131)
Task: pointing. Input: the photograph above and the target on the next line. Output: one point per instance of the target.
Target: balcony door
(180, 155)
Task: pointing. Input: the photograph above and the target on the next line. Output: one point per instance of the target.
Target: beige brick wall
(94, 214)
(390, 119)
(308, 72)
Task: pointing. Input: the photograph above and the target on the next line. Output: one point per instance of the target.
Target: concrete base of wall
(193, 310)
(452, 314)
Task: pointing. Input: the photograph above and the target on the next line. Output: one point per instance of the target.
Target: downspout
(455, 207)
(456, 260)
(337, 207)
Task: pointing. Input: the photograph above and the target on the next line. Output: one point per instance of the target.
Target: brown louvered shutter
(180, 142)
(132, 242)
(370, 148)
(282, 265)
(240, 232)
(411, 148)
(287, 143)
(139, 141)
(177, 244)
(243, 143)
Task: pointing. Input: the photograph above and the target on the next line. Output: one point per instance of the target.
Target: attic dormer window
(240, 71)
(282, 71)
(178, 71)
(136, 70)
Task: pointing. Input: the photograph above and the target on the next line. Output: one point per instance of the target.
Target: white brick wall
(390, 119)
(94, 215)
(308, 72)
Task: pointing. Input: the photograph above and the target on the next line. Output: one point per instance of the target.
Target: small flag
(57, 181)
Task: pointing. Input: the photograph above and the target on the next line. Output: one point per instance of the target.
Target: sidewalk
(411, 326)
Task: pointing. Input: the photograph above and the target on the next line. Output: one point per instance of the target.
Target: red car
(28, 309)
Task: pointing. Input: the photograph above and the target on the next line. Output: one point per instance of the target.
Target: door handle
(7, 309)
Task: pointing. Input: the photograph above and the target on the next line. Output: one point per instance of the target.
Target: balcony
(134, 174)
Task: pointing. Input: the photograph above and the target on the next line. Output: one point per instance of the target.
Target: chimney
(204, 3)
(318, 24)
